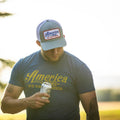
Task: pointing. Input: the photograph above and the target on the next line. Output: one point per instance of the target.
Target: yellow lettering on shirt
(38, 78)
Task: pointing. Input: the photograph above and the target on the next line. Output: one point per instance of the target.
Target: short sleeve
(16, 77)
(83, 79)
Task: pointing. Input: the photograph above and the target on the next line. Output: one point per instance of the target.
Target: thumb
(44, 95)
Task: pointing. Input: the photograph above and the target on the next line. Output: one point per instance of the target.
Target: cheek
(61, 52)
(48, 54)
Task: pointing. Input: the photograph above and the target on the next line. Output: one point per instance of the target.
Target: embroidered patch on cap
(51, 34)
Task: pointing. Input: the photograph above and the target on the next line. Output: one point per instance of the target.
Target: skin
(90, 105)
(12, 104)
(52, 55)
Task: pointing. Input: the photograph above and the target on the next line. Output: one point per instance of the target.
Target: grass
(110, 115)
(20, 116)
(104, 115)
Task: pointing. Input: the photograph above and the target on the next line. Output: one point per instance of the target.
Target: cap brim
(53, 44)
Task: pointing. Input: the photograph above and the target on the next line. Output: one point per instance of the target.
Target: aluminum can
(45, 88)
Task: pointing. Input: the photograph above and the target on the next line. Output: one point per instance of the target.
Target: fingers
(42, 99)
(44, 95)
(38, 100)
(38, 105)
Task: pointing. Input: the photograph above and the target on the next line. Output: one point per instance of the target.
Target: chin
(54, 60)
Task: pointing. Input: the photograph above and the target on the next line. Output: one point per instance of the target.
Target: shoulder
(24, 62)
(73, 59)
(76, 63)
(31, 57)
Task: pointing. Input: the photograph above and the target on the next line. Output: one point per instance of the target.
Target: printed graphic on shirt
(35, 79)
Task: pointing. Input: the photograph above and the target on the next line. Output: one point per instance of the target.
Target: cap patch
(51, 34)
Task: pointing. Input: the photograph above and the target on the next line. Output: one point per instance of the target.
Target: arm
(90, 105)
(11, 104)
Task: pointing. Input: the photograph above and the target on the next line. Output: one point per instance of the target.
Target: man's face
(53, 54)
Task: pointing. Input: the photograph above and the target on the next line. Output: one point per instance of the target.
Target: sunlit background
(92, 32)
(91, 28)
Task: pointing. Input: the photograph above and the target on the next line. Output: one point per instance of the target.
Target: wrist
(25, 102)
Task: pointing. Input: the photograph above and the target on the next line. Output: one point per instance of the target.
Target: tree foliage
(1, 1)
(2, 85)
(4, 14)
(9, 63)
(108, 95)
(5, 63)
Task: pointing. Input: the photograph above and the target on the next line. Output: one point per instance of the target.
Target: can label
(45, 88)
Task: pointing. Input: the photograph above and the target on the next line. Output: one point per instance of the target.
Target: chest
(59, 77)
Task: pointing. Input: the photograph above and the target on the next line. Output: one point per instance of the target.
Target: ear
(38, 43)
(64, 36)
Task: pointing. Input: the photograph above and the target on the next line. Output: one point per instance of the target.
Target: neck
(51, 55)
(42, 53)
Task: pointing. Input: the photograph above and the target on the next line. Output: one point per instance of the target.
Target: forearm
(10, 105)
(89, 102)
(94, 115)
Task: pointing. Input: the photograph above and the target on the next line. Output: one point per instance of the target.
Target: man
(70, 78)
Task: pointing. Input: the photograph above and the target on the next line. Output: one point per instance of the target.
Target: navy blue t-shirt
(69, 77)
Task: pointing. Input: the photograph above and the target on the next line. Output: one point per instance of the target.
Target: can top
(47, 83)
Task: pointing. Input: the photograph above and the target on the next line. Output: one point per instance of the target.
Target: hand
(36, 101)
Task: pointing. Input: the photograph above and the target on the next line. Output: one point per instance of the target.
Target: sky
(91, 29)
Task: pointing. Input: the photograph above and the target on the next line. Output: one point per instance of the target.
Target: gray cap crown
(50, 35)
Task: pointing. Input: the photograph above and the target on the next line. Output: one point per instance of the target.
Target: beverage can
(46, 88)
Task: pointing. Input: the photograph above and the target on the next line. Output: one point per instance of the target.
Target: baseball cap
(50, 35)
